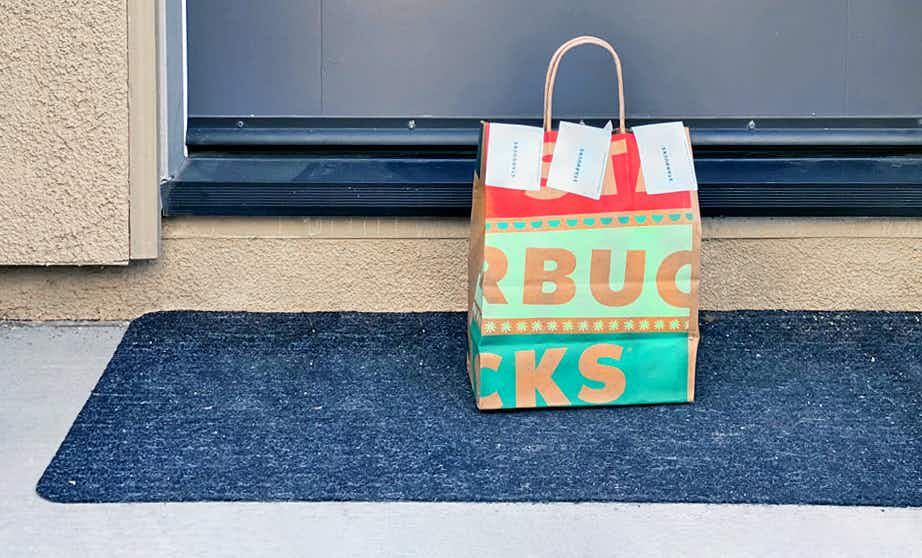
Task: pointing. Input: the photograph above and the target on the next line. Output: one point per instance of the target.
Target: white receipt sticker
(514, 156)
(665, 158)
(580, 155)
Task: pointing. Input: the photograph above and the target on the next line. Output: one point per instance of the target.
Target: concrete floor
(48, 370)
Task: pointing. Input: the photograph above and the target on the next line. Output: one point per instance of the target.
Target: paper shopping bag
(576, 301)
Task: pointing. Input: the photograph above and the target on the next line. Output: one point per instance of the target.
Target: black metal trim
(245, 132)
(403, 185)
(423, 166)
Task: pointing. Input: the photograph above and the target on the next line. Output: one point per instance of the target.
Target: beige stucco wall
(63, 132)
(64, 196)
(371, 264)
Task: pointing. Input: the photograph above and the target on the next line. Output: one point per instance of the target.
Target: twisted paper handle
(552, 76)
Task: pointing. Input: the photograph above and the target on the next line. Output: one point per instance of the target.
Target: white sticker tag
(580, 155)
(514, 156)
(665, 158)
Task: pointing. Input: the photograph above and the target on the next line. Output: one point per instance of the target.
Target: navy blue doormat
(820, 408)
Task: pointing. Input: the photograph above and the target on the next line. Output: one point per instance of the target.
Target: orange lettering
(543, 193)
(666, 279)
(600, 278)
(489, 361)
(610, 183)
(530, 378)
(497, 265)
(536, 276)
(611, 376)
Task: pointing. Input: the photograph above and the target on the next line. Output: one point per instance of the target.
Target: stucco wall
(420, 264)
(63, 132)
(64, 200)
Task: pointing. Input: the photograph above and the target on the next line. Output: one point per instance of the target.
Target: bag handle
(552, 76)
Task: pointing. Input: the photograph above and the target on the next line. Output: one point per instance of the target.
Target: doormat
(792, 408)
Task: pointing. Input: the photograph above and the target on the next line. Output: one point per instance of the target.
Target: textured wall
(389, 265)
(63, 132)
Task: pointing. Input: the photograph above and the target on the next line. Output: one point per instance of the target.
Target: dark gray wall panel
(885, 57)
(482, 57)
(254, 57)
(487, 58)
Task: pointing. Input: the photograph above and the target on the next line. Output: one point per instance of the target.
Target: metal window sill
(294, 167)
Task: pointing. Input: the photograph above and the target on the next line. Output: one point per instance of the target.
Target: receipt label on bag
(514, 156)
(665, 158)
(578, 163)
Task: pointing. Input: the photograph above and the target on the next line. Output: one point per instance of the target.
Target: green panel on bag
(656, 242)
(655, 365)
